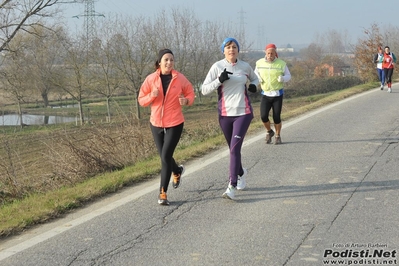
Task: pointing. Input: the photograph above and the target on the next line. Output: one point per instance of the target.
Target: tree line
(42, 61)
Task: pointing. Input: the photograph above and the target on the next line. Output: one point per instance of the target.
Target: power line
(261, 37)
(89, 22)
(242, 22)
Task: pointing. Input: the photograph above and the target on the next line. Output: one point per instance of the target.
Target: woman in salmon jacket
(166, 91)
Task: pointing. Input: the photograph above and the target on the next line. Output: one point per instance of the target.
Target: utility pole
(242, 24)
(261, 37)
(89, 22)
(90, 32)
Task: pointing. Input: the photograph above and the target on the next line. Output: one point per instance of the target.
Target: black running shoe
(269, 136)
(177, 177)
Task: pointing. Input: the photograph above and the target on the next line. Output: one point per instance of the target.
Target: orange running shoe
(177, 177)
(163, 199)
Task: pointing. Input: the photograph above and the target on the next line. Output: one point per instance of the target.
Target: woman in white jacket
(378, 58)
(229, 77)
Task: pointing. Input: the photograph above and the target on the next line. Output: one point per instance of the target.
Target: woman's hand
(154, 92)
(182, 100)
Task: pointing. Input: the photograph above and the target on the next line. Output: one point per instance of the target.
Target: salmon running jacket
(166, 110)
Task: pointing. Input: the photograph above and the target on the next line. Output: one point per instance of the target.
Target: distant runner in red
(388, 65)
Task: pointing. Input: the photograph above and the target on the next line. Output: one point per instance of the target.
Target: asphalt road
(328, 194)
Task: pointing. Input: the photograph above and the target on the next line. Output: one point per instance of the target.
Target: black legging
(166, 140)
(267, 103)
(388, 75)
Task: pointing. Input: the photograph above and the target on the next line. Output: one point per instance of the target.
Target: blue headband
(229, 40)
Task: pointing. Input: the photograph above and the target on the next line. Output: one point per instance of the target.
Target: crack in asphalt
(351, 195)
(300, 244)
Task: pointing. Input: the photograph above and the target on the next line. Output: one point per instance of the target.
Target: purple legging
(234, 129)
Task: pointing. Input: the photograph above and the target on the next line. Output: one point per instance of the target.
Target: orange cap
(270, 45)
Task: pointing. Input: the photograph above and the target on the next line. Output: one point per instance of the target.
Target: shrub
(319, 86)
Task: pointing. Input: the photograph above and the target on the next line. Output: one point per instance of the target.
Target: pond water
(13, 120)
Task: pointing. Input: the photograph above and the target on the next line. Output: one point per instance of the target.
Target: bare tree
(76, 79)
(391, 38)
(204, 52)
(43, 58)
(196, 44)
(311, 57)
(298, 70)
(332, 41)
(13, 78)
(364, 51)
(184, 26)
(335, 43)
(108, 79)
(24, 15)
(133, 50)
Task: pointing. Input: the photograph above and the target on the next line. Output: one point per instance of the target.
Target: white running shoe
(241, 182)
(389, 90)
(230, 192)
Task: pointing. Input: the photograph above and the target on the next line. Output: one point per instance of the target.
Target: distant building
(327, 70)
(285, 50)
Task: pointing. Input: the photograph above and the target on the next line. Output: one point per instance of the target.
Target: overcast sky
(296, 22)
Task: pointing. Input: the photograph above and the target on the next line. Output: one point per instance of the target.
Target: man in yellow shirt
(272, 72)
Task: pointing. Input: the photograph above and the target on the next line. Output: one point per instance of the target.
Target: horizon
(297, 24)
